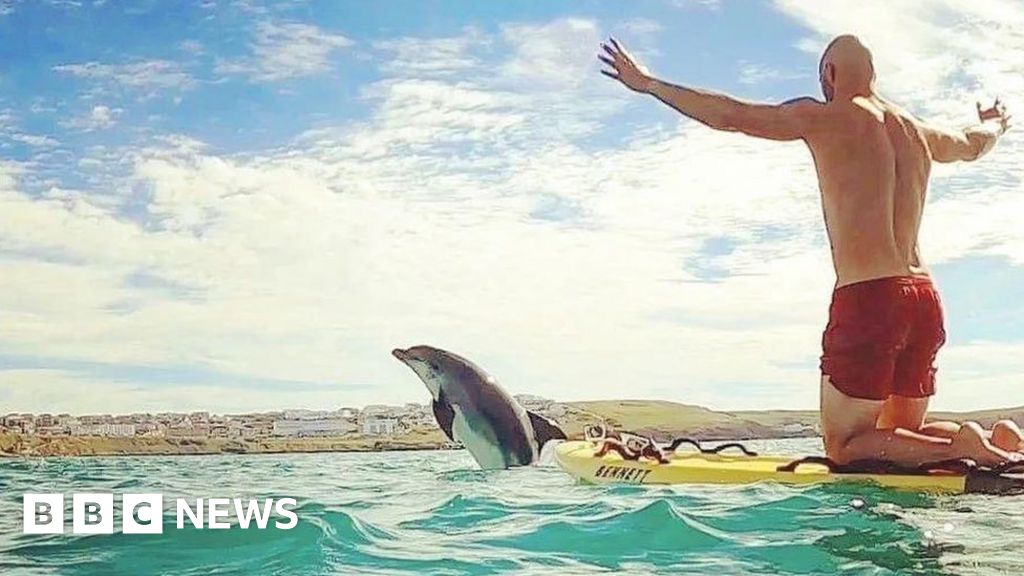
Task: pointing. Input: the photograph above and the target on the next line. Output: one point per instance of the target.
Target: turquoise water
(432, 513)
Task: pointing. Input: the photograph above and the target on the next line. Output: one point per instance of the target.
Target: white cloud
(33, 140)
(12, 132)
(99, 118)
(753, 73)
(193, 47)
(980, 375)
(559, 54)
(151, 77)
(283, 50)
(413, 56)
(707, 4)
(49, 390)
(249, 6)
(103, 116)
(937, 56)
(642, 27)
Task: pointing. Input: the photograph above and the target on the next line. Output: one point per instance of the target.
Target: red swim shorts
(882, 338)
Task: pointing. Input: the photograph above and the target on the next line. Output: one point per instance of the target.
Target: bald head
(846, 68)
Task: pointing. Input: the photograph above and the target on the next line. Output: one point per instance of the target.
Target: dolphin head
(433, 365)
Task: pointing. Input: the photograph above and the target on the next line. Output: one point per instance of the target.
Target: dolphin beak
(400, 354)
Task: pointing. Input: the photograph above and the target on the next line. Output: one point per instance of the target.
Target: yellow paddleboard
(578, 459)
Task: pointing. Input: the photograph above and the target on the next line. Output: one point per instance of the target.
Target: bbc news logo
(93, 513)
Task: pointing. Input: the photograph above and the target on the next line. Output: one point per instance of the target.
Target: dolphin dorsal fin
(544, 429)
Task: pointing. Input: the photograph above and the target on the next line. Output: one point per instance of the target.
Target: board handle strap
(675, 444)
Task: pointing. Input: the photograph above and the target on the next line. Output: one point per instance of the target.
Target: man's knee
(836, 448)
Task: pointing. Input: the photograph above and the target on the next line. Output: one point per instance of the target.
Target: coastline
(660, 419)
(18, 445)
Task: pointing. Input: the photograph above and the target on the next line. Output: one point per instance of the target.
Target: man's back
(873, 159)
(873, 163)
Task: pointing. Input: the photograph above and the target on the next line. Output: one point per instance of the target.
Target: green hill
(670, 419)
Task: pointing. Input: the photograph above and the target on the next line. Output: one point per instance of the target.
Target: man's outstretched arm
(970, 143)
(787, 121)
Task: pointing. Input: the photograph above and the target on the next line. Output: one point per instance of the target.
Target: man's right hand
(624, 66)
(996, 113)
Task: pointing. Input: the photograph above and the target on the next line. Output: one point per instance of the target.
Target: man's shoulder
(804, 104)
(810, 113)
(805, 108)
(802, 101)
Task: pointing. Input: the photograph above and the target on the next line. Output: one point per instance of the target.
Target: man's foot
(1006, 435)
(970, 442)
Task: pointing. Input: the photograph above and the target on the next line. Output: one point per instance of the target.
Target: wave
(431, 513)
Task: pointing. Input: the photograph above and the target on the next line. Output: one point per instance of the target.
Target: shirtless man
(885, 321)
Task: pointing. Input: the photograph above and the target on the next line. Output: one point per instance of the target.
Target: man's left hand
(996, 113)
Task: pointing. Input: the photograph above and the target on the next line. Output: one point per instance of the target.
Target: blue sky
(237, 205)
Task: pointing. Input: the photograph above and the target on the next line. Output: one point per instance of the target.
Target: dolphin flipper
(444, 415)
(544, 429)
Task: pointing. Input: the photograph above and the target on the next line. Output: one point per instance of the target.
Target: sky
(239, 205)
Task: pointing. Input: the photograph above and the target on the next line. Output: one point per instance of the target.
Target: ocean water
(434, 513)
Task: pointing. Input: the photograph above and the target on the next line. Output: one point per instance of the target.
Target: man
(885, 322)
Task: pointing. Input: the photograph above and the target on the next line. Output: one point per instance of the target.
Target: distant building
(103, 430)
(47, 425)
(416, 416)
(382, 411)
(183, 428)
(531, 402)
(239, 430)
(379, 426)
(22, 423)
(303, 414)
(150, 429)
(307, 428)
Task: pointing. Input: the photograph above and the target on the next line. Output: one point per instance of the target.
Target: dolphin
(472, 408)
